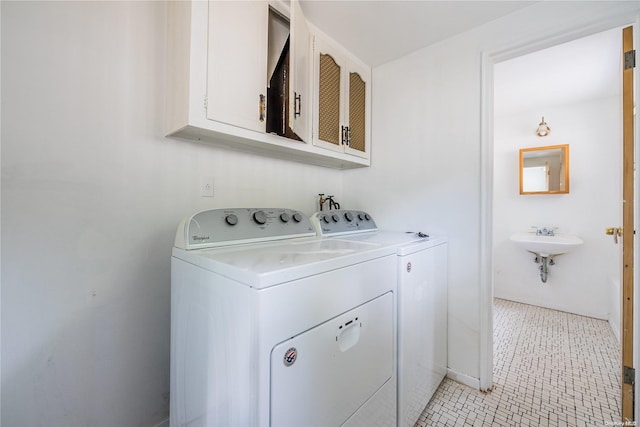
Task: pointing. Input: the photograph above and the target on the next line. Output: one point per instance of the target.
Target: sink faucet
(544, 231)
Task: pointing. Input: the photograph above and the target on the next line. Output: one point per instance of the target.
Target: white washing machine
(271, 326)
(421, 269)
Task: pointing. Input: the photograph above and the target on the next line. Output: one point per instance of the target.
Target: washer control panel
(336, 222)
(223, 227)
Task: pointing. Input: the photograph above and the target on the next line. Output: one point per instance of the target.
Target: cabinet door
(299, 83)
(329, 98)
(237, 63)
(342, 93)
(357, 110)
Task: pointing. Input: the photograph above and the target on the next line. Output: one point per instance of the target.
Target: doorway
(575, 86)
(551, 208)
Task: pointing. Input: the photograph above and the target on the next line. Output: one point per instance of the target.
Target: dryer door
(322, 376)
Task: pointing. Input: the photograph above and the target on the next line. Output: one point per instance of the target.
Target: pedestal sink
(546, 246)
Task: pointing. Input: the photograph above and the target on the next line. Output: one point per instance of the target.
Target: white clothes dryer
(421, 269)
(271, 326)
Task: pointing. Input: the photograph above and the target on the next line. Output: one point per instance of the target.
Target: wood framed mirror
(544, 170)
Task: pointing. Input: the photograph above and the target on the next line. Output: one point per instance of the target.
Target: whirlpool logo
(200, 238)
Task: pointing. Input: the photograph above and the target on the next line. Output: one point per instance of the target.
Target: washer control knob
(231, 219)
(325, 219)
(260, 217)
(367, 217)
(361, 216)
(284, 217)
(297, 217)
(335, 218)
(348, 216)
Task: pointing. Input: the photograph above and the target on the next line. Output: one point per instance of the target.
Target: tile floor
(550, 369)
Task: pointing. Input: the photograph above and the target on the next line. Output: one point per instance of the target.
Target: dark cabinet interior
(278, 98)
(277, 117)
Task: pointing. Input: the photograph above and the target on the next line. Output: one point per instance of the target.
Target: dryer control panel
(343, 221)
(224, 227)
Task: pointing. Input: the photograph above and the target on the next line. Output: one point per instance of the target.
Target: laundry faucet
(332, 203)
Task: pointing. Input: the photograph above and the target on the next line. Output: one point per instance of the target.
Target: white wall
(580, 281)
(427, 114)
(92, 193)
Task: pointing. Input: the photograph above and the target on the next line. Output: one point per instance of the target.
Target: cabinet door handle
(297, 105)
(262, 107)
(346, 135)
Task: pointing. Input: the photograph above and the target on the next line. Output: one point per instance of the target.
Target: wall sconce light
(543, 128)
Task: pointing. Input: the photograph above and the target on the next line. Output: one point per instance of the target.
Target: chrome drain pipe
(544, 262)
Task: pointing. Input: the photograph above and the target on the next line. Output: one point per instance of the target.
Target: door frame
(628, 232)
(488, 60)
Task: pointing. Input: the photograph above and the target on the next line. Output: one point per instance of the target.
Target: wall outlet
(206, 186)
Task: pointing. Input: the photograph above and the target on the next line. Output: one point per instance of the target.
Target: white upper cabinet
(237, 63)
(241, 75)
(342, 93)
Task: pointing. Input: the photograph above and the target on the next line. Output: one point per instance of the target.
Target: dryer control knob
(297, 217)
(260, 217)
(335, 218)
(231, 219)
(325, 218)
(348, 216)
(284, 217)
(361, 216)
(367, 217)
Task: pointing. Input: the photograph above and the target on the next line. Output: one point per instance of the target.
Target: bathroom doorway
(587, 116)
(576, 87)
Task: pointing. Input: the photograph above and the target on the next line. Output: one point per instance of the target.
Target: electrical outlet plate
(206, 186)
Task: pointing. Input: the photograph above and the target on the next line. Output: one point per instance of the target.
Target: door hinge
(629, 375)
(630, 59)
(206, 102)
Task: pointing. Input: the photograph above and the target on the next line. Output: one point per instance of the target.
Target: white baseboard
(614, 310)
(615, 327)
(164, 423)
(463, 379)
(559, 306)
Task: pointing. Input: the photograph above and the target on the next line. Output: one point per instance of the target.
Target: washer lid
(268, 264)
